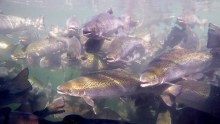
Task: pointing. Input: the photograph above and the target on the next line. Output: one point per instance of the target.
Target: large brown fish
(101, 85)
(174, 64)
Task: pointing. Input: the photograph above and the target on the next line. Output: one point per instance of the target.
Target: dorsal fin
(23, 75)
(110, 11)
(20, 82)
(178, 46)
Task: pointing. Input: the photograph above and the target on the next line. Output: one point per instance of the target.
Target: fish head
(114, 55)
(72, 23)
(68, 89)
(149, 79)
(111, 58)
(89, 29)
(44, 62)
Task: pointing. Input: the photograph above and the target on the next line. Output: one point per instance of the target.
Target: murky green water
(147, 12)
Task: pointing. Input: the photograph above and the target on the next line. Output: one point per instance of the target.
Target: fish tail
(213, 36)
(56, 107)
(39, 23)
(21, 81)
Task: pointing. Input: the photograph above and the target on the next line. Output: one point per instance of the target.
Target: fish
(54, 61)
(57, 31)
(102, 26)
(40, 95)
(93, 45)
(213, 36)
(9, 69)
(194, 94)
(74, 48)
(192, 20)
(56, 107)
(36, 50)
(164, 118)
(38, 117)
(183, 36)
(10, 23)
(103, 113)
(126, 49)
(51, 47)
(73, 23)
(73, 26)
(102, 84)
(14, 90)
(7, 47)
(91, 62)
(174, 64)
(27, 37)
(69, 119)
(63, 32)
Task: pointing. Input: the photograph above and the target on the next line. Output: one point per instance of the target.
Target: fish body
(103, 84)
(194, 94)
(102, 25)
(174, 64)
(11, 23)
(125, 49)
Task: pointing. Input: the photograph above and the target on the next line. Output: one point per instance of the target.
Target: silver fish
(11, 23)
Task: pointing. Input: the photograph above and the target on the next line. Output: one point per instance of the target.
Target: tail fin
(39, 23)
(20, 82)
(56, 107)
(213, 36)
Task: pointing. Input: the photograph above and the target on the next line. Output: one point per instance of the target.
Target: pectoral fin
(173, 90)
(167, 99)
(88, 100)
(170, 93)
(124, 99)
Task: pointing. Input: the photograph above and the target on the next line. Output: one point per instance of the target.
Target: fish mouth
(142, 78)
(146, 83)
(59, 90)
(111, 59)
(87, 33)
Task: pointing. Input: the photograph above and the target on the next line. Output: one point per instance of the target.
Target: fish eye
(68, 90)
(83, 58)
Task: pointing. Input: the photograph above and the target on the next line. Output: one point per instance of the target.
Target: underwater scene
(109, 62)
